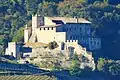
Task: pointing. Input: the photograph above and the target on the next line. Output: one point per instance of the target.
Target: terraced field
(27, 77)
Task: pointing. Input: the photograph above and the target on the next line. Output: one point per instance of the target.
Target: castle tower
(34, 22)
(27, 34)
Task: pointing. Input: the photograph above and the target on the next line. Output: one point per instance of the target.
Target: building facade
(17, 50)
(61, 30)
(13, 49)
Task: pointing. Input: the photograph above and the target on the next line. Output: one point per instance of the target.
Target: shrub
(52, 45)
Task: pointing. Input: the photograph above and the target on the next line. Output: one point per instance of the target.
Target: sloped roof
(69, 20)
(36, 44)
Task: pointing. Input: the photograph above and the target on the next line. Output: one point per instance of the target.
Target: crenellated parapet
(72, 41)
(47, 28)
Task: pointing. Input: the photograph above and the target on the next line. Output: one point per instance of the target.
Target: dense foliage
(109, 67)
(104, 15)
(52, 45)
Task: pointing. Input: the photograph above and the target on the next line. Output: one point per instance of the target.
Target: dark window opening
(62, 46)
(52, 28)
(58, 21)
(97, 43)
(11, 53)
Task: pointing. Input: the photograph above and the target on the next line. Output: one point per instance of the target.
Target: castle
(71, 34)
(62, 30)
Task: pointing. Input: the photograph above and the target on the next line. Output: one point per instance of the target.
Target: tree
(31, 6)
(75, 68)
(101, 64)
(52, 45)
(2, 40)
(18, 37)
(114, 68)
(47, 9)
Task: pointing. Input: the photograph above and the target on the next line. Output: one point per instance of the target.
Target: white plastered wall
(11, 49)
(27, 33)
(50, 35)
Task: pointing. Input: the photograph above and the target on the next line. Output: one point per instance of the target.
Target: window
(70, 29)
(41, 21)
(11, 53)
(97, 43)
(62, 46)
(52, 28)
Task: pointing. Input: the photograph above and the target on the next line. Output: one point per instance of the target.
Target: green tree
(47, 9)
(75, 68)
(52, 45)
(100, 64)
(2, 40)
(31, 6)
(18, 37)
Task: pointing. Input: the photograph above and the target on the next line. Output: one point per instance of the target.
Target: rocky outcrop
(46, 58)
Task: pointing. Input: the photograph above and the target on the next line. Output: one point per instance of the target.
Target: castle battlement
(72, 41)
(47, 28)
